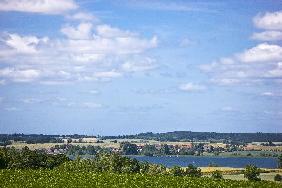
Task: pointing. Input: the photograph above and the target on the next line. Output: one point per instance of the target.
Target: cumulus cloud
(259, 64)
(269, 21)
(191, 87)
(82, 31)
(268, 36)
(21, 44)
(85, 54)
(38, 6)
(262, 53)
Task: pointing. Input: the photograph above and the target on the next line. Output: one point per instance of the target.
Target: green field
(58, 178)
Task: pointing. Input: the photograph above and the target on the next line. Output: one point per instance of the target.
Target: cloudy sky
(124, 67)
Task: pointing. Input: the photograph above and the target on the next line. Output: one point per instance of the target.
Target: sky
(123, 67)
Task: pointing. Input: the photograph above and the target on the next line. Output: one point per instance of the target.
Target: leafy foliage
(252, 173)
(277, 177)
(193, 171)
(25, 158)
(217, 174)
(72, 179)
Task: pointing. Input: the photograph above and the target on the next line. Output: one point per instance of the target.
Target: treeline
(11, 158)
(25, 158)
(204, 136)
(6, 139)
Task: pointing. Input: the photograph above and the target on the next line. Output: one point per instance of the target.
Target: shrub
(252, 173)
(217, 174)
(277, 177)
(193, 171)
(177, 171)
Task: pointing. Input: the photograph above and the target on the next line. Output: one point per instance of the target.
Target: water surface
(204, 161)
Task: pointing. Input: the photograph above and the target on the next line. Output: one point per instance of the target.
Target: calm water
(202, 161)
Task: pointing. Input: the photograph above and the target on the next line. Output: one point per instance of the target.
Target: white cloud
(94, 92)
(190, 87)
(83, 31)
(22, 44)
(11, 109)
(38, 6)
(271, 94)
(268, 36)
(226, 81)
(262, 53)
(32, 100)
(267, 93)
(269, 21)
(170, 6)
(25, 75)
(111, 32)
(107, 74)
(276, 72)
(84, 55)
(228, 109)
(82, 16)
(139, 66)
(256, 65)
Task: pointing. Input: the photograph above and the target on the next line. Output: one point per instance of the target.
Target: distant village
(154, 148)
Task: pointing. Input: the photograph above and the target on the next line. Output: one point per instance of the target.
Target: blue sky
(124, 67)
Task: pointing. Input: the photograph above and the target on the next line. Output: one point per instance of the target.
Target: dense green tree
(149, 150)
(252, 173)
(129, 149)
(165, 150)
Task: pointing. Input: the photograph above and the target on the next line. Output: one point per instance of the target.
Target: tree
(3, 158)
(217, 174)
(149, 150)
(129, 149)
(280, 161)
(277, 177)
(165, 150)
(252, 173)
(177, 171)
(193, 171)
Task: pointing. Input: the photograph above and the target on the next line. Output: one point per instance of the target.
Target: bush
(193, 171)
(252, 173)
(217, 174)
(277, 177)
(177, 171)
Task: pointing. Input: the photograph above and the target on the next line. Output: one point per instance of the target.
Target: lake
(204, 161)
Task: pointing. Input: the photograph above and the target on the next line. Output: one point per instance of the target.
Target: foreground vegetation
(26, 168)
(59, 178)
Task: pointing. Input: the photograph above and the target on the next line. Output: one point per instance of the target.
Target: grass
(237, 173)
(56, 178)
